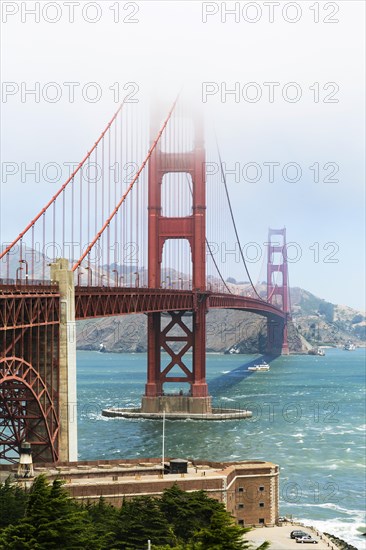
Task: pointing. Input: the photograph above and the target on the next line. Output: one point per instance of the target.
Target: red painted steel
(63, 187)
(28, 408)
(277, 289)
(192, 228)
(123, 198)
(176, 357)
(92, 302)
(245, 303)
(29, 370)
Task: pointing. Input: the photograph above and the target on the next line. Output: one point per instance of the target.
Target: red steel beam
(92, 302)
(232, 301)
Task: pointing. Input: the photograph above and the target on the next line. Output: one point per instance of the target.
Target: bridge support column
(61, 274)
(277, 337)
(199, 385)
(197, 401)
(285, 349)
(187, 333)
(277, 290)
(153, 385)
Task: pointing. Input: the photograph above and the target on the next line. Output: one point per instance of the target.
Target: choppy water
(308, 417)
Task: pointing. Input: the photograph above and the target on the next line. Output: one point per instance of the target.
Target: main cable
(129, 188)
(208, 246)
(233, 221)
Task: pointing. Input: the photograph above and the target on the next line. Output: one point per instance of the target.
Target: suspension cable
(70, 179)
(233, 221)
(208, 245)
(123, 198)
(217, 267)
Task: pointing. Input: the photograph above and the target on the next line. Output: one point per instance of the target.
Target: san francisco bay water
(308, 417)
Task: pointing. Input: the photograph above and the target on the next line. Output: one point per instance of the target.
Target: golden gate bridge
(137, 199)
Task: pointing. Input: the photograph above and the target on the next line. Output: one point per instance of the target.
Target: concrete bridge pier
(277, 340)
(61, 274)
(192, 339)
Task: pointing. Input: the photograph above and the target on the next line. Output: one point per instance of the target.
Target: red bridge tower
(192, 228)
(277, 290)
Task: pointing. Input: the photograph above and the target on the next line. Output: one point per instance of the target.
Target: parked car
(307, 538)
(298, 533)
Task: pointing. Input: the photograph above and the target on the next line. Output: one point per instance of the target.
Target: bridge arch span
(27, 411)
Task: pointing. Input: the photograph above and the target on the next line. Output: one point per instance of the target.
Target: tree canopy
(47, 518)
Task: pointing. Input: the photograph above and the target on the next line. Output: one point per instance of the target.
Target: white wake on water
(350, 532)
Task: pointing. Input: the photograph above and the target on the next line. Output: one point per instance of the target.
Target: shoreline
(333, 539)
(292, 353)
(279, 537)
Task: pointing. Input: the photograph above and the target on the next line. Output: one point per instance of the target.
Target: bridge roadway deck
(93, 302)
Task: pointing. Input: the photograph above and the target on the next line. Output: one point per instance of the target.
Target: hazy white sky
(317, 121)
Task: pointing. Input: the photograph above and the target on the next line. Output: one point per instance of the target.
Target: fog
(281, 84)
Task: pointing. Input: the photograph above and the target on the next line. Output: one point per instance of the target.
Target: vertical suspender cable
(54, 231)
(33, 252)
(81, 210)
(234, 224)
(63, 223)
(96, 192)
(130, 187)
(72, 220)
(101, 242)
(88, 202)
(115, 175)
(43, 257)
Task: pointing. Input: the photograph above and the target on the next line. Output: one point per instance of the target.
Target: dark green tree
(13, 503)
(187, 512)
(221, 534)
(52, 521)
(141, 520)
(46, 518)
(20, 536)
(104, 518)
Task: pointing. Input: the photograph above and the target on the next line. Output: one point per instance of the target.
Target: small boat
(261, 367)
(232, 350)
(316, 351)
(348, 346)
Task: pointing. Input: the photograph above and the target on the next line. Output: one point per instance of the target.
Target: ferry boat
(261, 367)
